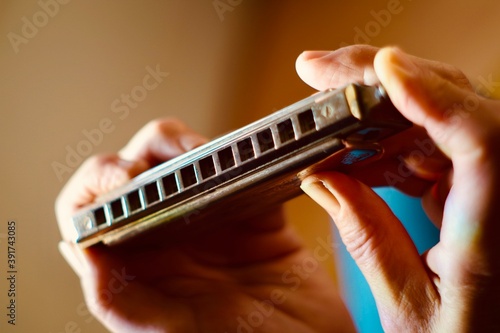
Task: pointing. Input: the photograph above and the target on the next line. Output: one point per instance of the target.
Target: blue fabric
(357, 294)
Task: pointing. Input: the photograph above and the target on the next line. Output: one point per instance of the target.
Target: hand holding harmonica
(239, 275)
(343, 129)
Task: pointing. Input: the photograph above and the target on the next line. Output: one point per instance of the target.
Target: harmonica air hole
(285, 129)
(100, 216)
(226, 158)
(170, 185)
(117, 208)
(207, 167)
(245, 148)
(306, 121)
(152, 193)
(265, 140)
(188, 176)
(134, 201)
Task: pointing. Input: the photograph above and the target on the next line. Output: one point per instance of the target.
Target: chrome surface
(221, 179)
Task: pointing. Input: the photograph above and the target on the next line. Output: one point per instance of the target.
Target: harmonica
(247, 171)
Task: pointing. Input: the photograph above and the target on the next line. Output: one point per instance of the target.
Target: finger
(411, 162)
(461, 124)
(161, 140)
(392, 172)
(377, 242)
(413, 155)
(119, 297)
(331, 69)
(158, 141)
(354, 64)
(98, 175)
(465, 127)
(444, 110)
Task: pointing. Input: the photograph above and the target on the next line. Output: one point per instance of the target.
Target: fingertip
(336, 182)
(311, 55)
(307, 69)
(409, 86)
(308, 64)
(317, 190)
(332, 69)
(334, 191)
(393, 67)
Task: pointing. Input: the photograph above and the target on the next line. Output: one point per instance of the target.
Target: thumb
(376, 240)
(465, 127)
(98, 175)
(432, 101)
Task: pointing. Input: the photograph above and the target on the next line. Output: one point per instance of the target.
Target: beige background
(222, 74)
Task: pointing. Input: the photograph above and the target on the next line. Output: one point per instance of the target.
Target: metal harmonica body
(247, 171)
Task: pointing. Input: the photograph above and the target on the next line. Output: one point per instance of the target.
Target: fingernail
(311, 55)
(400, 61)
(319, 192)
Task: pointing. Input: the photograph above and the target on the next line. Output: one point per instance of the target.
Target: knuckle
(459, 78)
(362, 242)
(486, 137)
(456, 76)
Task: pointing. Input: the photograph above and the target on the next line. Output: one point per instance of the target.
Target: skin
(210, 283)
(454, 287)
(207, 283)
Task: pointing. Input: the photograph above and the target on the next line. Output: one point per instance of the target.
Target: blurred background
(64, 66)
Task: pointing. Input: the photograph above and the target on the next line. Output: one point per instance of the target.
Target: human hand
(455, 286)
(243, 277)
